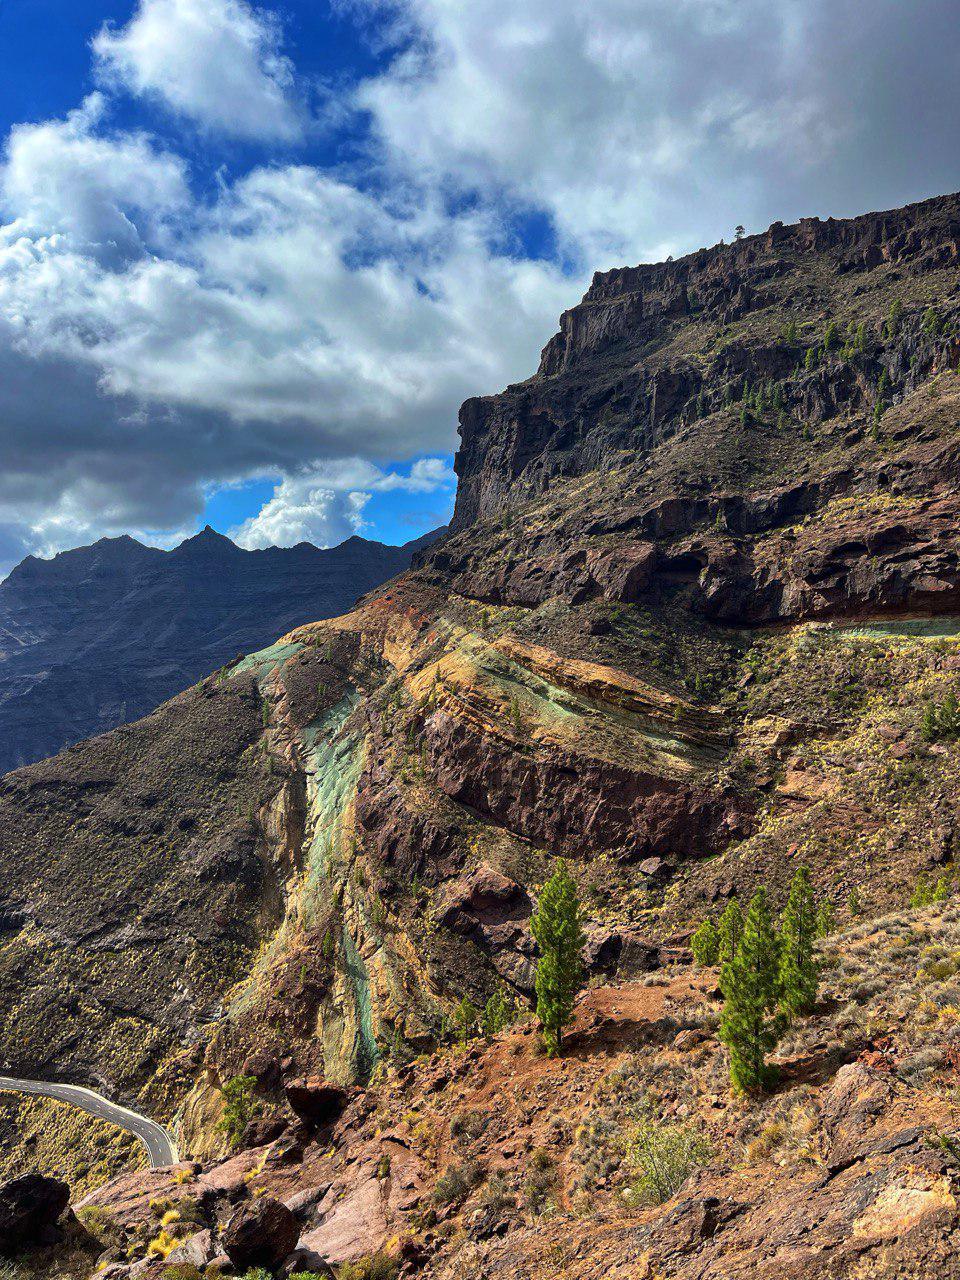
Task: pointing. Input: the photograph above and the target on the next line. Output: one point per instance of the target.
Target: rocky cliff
(700, 590)
(101, 635)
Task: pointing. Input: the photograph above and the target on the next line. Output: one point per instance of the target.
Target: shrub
(941, 721)
(540, 1183)
(495, 1016)
(373, 1266)
(465, 1020)
(824, 918)
(664, 1156)
(931, 322)
(469, 1123)
(928, 890)
(705, 943)
(496, 1195)
(161, 1245)
(457, 1181)
(101, 1224)
(240, 1108)
(182, 1271)
(189, 1210)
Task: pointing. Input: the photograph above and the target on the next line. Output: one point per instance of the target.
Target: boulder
(316, 1101)
(310, 1261)
(197, 1251)
(30, 1209)
(264, 1068)
(260, 1234)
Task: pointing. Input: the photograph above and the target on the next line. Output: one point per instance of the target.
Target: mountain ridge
(102, 634)
(700, 596)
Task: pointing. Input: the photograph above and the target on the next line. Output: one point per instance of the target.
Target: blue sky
(253, 256)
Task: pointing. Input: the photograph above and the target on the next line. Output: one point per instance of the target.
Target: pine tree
(730, 929)
(466, 1019)
(705, 943)
(240, 1106)
(495, 1016)
(824, 918)
(556, 929)
(799, 968)
(748, 1024)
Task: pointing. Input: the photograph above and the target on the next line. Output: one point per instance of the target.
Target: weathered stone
(316, 1101)
(30, 1208)
(260, 1234)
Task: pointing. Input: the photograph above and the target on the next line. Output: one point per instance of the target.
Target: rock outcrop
(261, 1234)
(30, 1209)
(699, 599)
(102, 635)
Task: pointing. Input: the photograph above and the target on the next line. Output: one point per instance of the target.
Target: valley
(694, 626)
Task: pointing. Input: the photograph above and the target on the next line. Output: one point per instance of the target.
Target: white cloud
(216, 62)
(111, 194)
(326, 504)
(295, 300)
(155, 341)
(639, 123)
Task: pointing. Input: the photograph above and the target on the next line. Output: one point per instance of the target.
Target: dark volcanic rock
(316, 1101)
(103, 634)
(30, 1209)
(261, 1234)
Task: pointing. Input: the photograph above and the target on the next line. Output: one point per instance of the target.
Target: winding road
(160, 1146)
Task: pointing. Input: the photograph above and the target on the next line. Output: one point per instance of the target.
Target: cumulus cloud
(655, 125)
(216, 62)
(326, 504)
(166, 327)
(112, 194)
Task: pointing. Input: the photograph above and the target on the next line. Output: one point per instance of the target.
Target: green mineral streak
(332, 763)
(547, 701)
(947, 628)
(265, 662)
(365, 1045)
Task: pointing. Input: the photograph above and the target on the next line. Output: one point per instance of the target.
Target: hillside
(701, 587)
(101, 635)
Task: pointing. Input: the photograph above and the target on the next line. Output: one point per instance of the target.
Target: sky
(253, 256)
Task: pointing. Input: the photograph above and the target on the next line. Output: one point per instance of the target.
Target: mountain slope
(103, 634)
(701, 586)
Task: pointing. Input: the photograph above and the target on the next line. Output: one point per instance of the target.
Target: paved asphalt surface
(159, 1145)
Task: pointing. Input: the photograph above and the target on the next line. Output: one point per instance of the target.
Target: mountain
(101, 635)
(695, 625)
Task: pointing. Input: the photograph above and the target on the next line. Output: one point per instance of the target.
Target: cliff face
(651, 348)
(103, 634)
(701, 586)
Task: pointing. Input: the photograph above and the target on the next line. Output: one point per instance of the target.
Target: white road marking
(160, 1146)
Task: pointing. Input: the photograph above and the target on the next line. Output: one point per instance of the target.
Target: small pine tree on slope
(556, 929)
(750, 985)
(730, 929)
(799, 969)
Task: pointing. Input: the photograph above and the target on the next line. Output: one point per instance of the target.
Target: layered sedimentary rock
(701, 586)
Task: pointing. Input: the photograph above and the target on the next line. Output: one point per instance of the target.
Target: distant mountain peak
(208, 541)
